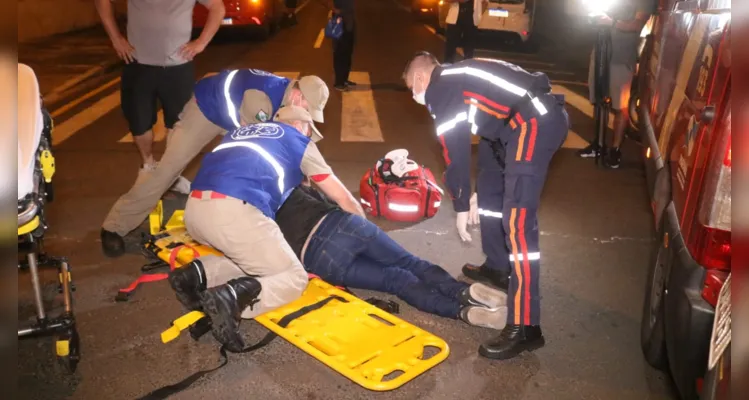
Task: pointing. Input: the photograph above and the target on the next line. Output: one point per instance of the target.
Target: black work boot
(187, 282)
(513, 340)
(112, 244)
(500, 280)
(224, 305)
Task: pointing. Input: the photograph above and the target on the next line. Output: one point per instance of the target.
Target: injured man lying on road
(347, 250)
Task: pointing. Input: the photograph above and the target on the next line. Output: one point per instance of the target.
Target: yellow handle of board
(180, 324)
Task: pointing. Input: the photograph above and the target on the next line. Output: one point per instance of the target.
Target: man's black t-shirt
(299, 214)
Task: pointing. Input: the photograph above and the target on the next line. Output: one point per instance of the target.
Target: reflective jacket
(258, 163)
(220, 96)
(479, 96)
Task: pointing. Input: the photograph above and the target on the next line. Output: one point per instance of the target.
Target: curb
(81, 82)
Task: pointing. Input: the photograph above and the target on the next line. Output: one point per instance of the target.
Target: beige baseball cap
(316, 92)
(295, 113)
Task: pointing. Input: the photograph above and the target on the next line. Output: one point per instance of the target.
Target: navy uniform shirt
(476, 96)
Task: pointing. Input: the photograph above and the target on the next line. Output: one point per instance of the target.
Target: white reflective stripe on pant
(263, 153)
(488, 213)
(535, 256)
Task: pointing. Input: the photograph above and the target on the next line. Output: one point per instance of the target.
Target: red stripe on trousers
(532, 140)
(445, 154)
(487, 101)
(526, 270)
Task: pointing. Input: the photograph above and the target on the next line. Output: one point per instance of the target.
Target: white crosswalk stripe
(359, 119)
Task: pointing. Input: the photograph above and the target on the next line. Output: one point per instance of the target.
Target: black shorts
(143, 84)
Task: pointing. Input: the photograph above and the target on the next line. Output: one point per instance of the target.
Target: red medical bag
(409, 198)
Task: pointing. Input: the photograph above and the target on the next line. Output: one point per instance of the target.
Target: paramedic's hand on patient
(334, 189)
(473, 213)
(462, 224)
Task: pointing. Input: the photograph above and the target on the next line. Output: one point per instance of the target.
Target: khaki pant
(190, 134)
(253, 245)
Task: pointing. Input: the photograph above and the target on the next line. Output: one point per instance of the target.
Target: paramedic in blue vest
(521, 125)
(221, 102)
(238, 189)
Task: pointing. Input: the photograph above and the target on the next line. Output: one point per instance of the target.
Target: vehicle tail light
(256, 20)
(710, 241)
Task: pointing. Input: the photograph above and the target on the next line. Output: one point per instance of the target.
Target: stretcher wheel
(68, 349)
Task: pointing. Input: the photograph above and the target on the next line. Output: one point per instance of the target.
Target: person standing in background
(626, 22)
(462, 20)
(343, 47)
(158, 58)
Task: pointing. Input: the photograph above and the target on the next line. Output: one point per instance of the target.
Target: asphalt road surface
(595, 226)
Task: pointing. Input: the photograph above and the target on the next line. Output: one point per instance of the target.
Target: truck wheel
(652, 326)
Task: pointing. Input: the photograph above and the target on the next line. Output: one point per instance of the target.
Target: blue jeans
(348, 250)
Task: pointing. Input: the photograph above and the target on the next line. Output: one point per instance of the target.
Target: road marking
(320, 38)
(85, 118)
(359, 119)
(579, 102)
(83, 98)
(53, 95)
(301, 7)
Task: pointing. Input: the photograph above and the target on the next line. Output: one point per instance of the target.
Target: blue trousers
(509, 184)
(348, 250)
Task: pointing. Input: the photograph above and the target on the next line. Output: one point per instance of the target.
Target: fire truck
(684, 115)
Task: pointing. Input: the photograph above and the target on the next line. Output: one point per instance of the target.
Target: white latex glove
(473, 213)
(462, 223)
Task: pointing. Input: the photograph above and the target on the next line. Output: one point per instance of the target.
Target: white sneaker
(181, 185)
(495, 318)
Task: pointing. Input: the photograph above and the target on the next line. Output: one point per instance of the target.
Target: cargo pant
(252, 244)
(191, 133)
(510, 179)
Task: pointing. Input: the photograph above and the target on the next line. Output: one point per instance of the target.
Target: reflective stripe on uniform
(269, 158)
(489, 77)
(231, 109)
(535, 256)
(489, 213)
(450, 124)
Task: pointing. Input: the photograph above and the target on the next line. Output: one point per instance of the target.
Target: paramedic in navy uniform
(521, 126)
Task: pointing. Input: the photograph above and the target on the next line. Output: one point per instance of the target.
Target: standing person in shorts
(625, 39)
(158, 58)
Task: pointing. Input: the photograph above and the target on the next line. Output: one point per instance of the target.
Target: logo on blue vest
(260, 72)
(262, 130)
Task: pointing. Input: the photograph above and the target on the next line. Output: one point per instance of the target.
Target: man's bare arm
(121, 45)
(634, 25)
(216, 12)
(334, 189)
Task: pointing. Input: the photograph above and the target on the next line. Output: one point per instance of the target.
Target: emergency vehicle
(511, 17)
(684, 114)
(260, 16)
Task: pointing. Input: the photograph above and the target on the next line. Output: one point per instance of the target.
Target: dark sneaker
(589, 152)
(187, 282)
(224, 305)
(613, 158)
(513, 340)
(482, 295)
(482, 273)
(112, 244)
(341, 88)
(484, 317)
(350, 83)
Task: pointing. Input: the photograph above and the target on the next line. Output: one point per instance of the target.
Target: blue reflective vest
(257, 163)
(220, 96)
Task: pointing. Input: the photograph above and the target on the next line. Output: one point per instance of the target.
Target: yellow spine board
(355, 338)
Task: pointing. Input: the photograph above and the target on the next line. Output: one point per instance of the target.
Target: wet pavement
(595, 224)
